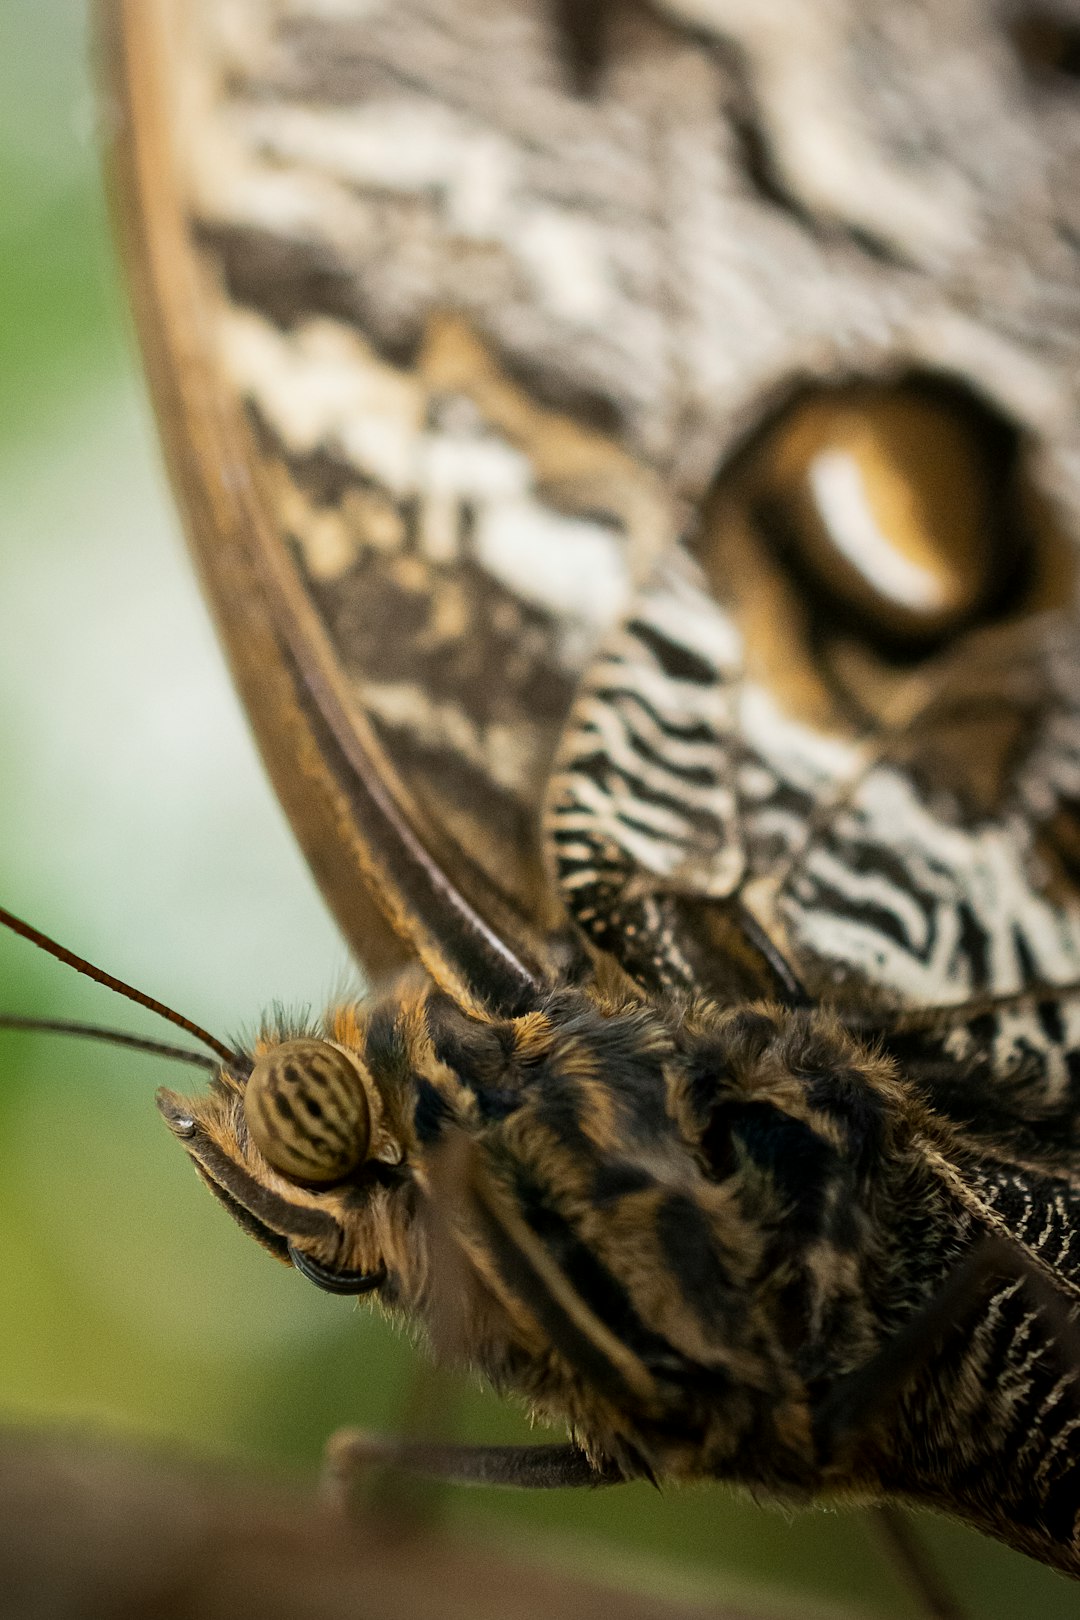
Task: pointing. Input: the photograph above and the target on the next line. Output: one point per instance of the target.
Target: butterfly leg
(353, 1456)
(351, 1453)
(909, 1554)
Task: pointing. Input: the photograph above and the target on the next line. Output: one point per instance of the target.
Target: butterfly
(571, 638)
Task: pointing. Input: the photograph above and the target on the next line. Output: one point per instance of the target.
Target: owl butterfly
(632, 452)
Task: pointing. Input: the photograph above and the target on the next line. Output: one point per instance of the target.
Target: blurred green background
(136, 824)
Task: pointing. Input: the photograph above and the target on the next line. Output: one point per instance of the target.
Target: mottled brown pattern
(380, 173)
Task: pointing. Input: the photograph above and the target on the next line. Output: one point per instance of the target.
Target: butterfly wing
(448, 357)
(320, 478)
(707, 783)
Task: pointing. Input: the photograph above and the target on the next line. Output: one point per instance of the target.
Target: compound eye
(891, 498)
(307, 1111)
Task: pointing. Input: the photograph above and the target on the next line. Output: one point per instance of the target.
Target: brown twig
(89, 1532)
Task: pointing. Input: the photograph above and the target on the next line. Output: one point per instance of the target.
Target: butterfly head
(306, 1146)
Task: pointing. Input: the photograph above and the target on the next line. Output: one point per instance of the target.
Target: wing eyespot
(900, 506)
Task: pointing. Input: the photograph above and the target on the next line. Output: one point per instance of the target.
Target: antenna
(99, 976)
(102, 1032)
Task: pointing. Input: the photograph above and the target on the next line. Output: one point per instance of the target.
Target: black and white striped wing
(927, 864)
(653, 828)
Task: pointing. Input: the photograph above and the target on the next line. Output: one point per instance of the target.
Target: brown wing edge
(374, 858)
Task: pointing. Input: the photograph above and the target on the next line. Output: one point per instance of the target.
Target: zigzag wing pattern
(922, 888)
(887, 868)
(663, 807)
